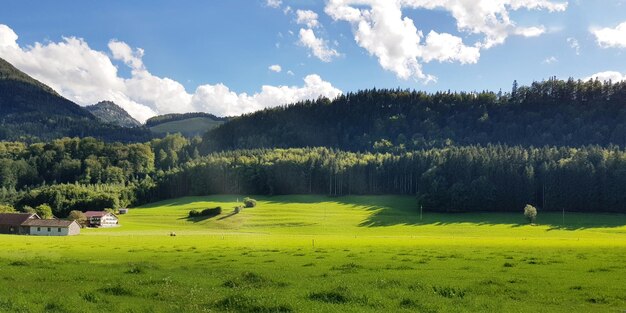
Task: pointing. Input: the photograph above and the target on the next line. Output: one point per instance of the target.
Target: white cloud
(573, 43)
(550, 60)
(318, 46)
(608, 75)
(445, 47)
(221, 100)
(274, 3)
(308, 18)
(380, 28)
(275, 68)
(611, 37)
(122, 51)
(290, 73)
(87, 76)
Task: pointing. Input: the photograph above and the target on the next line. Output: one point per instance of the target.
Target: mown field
(319, 254)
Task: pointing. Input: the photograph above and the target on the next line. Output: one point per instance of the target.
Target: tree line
(451, 179)
(553, 112)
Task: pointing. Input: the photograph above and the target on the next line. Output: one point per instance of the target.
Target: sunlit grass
(319, 254)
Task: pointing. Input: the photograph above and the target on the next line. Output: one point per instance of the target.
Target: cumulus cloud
(275, 68)
(380, 28)
(446, 47)
(319, 47)
(274, 3)
(308, 18)
(122, 51)
(611, 37)
(87, 76)
(219, 98)
(608, 75)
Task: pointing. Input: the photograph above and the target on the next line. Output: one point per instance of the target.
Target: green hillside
(195, 126)
(321, 254)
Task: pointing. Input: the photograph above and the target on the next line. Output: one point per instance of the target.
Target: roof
(48, 223)
(90, 214)
(16, 219)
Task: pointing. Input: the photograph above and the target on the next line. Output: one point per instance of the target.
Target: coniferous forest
(558, 145)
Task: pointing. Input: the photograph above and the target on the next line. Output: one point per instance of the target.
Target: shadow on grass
(390, 216)
(402, 210)
(197, 219)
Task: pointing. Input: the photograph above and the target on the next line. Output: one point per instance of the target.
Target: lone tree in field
(530, 212)
(79, 217)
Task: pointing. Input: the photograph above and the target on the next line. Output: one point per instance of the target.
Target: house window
(59, 229)
(48, 229)
(38, 228)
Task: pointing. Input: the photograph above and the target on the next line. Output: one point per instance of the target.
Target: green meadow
(321, 254)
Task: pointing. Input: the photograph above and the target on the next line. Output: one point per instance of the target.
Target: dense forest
(459, 179)
(86, 173)
(552, 112)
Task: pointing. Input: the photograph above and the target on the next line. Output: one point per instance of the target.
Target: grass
(319, 254)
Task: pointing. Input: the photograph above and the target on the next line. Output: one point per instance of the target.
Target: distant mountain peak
(109, 112)
(32, 111)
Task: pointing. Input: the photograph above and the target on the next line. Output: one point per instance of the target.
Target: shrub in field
(249, 202)
(206, 212)
(530, 212)
(79, 217)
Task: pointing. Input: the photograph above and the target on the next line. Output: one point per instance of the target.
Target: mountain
(188, 124)
(111, 113)
(553, 112)
(30, 110)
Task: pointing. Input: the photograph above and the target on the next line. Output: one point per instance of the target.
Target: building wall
(74, 229)
(108, 221)
(49, 231)
(7, 229)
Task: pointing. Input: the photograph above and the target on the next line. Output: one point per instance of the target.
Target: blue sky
(232, 44)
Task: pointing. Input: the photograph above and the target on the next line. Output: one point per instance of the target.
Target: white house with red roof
(101, 219)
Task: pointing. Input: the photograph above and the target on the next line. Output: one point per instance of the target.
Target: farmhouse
(101, 219)
(31, 224)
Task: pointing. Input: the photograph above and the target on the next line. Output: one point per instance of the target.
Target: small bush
(206, 212)
(249, 202)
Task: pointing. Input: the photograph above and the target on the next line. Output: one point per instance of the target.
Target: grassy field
(318, 254)
(190, 127)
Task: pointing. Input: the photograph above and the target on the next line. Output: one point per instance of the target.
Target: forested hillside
(31, 111)
(553, 112)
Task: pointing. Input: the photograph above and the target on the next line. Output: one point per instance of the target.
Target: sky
(230, 57)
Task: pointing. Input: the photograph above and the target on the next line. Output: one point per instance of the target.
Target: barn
(101, 219)
(11, 223)
(39, 227)
(31, 224)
